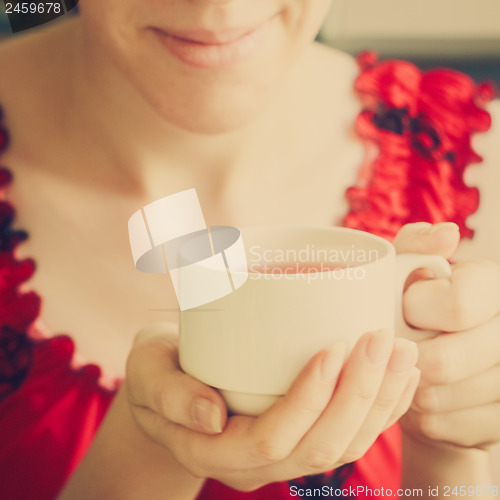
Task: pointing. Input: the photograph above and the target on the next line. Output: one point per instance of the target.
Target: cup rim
(387, 245)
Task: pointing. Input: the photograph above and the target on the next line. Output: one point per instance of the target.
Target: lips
(211, 37)
(206, 49)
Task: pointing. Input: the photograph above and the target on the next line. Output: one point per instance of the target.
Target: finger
(447, 359)
(155, 382)
(249, 442)
(455, 427)
(422, 237)
(325, 444)
(406, 398)
(469, 298)
(283, 471)
(300, 407)
(418, 275)
(386, 404)
(478, 390)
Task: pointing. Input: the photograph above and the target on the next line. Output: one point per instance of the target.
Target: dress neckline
(22, 328)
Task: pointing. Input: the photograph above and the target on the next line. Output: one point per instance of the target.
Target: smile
(210, 49)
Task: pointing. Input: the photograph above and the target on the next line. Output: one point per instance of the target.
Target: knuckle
(158, 397)
(319, 460)
(425, 399)
(365, 392)
(459, 310)
(157, 400)
(467, 441)
(249, 485)
(429, 425)
(385, 404)
(309, 413)
(410, 235)
(353, 455)
(192, 458)
(197, 470)
(266, 451)
(440, 366)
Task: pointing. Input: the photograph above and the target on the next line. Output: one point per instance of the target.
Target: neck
(142, 147)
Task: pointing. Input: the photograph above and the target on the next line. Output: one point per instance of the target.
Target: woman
(134, 100)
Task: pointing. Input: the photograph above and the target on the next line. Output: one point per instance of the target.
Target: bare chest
(85, 274)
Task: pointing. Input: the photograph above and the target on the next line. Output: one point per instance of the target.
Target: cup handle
(406, 263)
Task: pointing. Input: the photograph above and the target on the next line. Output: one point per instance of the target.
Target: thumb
(422, 237)
(155, 381)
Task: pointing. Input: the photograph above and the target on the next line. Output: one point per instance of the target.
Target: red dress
(420, 127)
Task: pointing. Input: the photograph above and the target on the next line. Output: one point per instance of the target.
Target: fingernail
(427, 400)
(449, 226)
(207, 415)
(404, 356)
(423, 227)
(379, 346)
(333, 360)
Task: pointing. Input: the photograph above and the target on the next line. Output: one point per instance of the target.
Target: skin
(176, 132)
(118, 166)
(459, 369)
(206, 101)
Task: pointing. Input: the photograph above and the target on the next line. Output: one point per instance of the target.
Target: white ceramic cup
(252, 343)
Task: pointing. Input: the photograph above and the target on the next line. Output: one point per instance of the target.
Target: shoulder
(329, 77)
(33, 85)
(331, 60)
(332, 70)
(33, 66)
(23, 59)
(32, 50)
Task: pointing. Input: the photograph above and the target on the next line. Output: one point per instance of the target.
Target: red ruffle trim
(417, 128)
(4, 140)
(17, 309)
(54, 407)
(20, 309)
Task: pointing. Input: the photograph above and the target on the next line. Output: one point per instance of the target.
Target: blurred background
(460, 34)
(4, 24)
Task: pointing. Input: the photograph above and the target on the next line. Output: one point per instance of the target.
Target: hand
(458, 399)
(331, 415)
